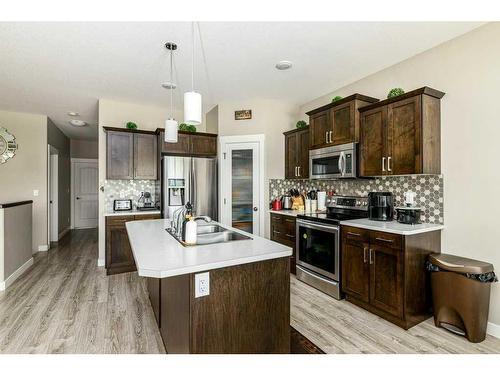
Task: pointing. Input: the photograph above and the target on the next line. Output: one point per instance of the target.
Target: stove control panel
(355, 203)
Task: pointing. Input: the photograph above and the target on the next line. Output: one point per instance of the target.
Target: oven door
(334, 162)
(318, 248)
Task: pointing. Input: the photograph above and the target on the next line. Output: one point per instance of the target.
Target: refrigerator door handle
(194, 186)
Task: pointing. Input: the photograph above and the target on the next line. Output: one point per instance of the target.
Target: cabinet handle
(296, 174)
(354, 234)
(372, 259)
(298, 171)
(383, 164)
(389, 164)
(290, 220)
(384, 240)
(326, 137)
(331, 136)
(276, 232)
(289, 235)
(365, 250)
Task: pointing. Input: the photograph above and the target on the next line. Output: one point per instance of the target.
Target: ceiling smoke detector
(284, 65)
(77, 123)
(74, 114)
(169, 85)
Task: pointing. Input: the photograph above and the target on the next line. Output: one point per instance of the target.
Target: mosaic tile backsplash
(127, 189)
(428, 189)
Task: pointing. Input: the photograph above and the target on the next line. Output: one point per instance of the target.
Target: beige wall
(269, 117)
(213, 120)
(83, 149)
(27, 171)
(117, 114)
(58, 139)
(468, 70)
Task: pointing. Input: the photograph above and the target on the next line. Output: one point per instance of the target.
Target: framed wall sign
(8, 145)
(244, 114)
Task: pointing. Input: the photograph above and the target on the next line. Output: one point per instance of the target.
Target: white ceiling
(53, 68)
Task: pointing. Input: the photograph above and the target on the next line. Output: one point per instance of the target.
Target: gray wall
(57, 139)
(17, 237)
(213, 120)
(84, 149)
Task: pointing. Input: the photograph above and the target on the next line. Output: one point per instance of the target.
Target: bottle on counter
(190, 232)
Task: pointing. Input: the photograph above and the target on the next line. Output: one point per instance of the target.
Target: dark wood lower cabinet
(154, 291)
(119, 257)
(247, 310)
(386, 273)
(283, 230)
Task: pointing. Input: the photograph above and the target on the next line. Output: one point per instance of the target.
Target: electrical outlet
(201, 284)
(35, 193)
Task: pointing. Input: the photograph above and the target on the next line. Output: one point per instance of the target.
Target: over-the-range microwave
(333, 162)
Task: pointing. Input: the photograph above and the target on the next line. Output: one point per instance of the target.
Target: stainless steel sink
(224, 236)
(212, 233)
(209, 228)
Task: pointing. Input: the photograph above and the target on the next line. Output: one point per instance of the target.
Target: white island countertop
(158, 254)
(393, 226)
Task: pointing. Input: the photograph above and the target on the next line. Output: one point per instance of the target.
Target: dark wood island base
(247, 311)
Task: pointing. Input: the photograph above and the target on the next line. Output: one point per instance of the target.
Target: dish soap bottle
(191, 230)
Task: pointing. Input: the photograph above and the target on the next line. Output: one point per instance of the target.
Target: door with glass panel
(241, 181)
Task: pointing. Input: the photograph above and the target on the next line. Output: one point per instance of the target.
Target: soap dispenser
(191, 230)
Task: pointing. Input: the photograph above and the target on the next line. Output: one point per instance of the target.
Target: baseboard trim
(64, 232)
(493, 329)
(101, 262)
(43, 247)
(5, 284)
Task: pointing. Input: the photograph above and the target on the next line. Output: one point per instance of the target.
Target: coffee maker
(380, 206)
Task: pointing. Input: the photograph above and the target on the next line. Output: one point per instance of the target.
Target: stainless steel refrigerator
(189, 179)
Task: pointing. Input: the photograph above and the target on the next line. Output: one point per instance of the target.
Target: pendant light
(171, 126)
(192, 99)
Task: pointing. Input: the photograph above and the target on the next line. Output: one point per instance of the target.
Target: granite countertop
(293, 213)
(158, 254)
(132, 212)
(393, 226)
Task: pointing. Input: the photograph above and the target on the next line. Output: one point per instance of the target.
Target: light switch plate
(201, 284)
(35, 193)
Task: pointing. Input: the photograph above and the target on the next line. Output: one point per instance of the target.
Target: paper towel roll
(321, 200)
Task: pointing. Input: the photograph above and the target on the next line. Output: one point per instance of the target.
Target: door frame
(73, 162)
(224, 141)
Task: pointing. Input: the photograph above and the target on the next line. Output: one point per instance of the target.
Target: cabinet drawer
(276, 219)
(386, 239)
(119, 220)
(355, 234)
(148, 217)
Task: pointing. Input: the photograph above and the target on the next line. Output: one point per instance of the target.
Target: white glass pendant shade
(171, 128)
(192, 108)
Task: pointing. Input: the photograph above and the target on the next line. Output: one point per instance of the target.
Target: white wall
(468, 70)
(269, 117)
(116, 114)
(27, 170)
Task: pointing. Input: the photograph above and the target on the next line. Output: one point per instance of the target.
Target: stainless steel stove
(318, 242)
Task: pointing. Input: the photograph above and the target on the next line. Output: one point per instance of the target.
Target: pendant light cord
(171, 84)
(192, 57)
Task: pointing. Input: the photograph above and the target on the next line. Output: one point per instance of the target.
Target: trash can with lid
(461, 294)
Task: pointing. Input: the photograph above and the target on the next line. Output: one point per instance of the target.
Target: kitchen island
(247, 308)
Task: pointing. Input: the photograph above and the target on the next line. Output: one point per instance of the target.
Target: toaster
(122, 205)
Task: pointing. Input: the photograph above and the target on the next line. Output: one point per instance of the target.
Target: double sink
(212, 233)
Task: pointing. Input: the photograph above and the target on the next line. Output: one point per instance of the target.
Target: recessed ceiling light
(168, 85)
(77, 122)
(73, 114)
(284, 65)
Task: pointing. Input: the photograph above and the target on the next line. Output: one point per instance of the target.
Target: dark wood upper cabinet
(337, 123)
(385, 273)
(372, 142)
(131, 154)
(119, 155)
(410, 127)
(297, 153)
(145, 156)
(193, 144)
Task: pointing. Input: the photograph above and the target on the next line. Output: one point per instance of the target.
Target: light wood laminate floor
(341, 327)
(66, 304)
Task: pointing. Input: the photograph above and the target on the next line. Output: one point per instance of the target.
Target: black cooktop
(334, 217)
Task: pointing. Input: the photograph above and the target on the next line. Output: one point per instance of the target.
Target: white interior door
(85, 194)
(53, 196)
(241, 185)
